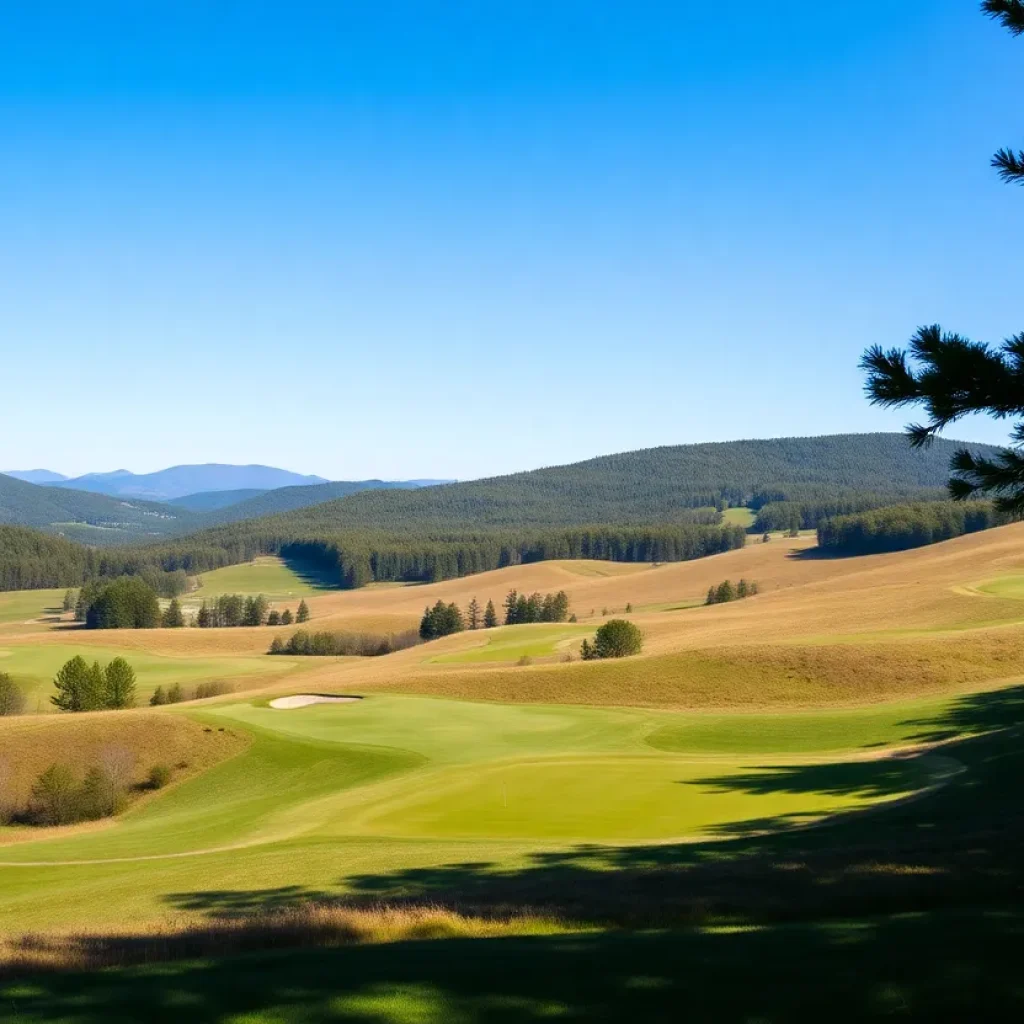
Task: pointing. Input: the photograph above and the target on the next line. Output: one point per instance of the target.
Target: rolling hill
(36, 476)
(656, 485)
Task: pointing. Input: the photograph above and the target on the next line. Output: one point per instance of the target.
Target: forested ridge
(653, 505)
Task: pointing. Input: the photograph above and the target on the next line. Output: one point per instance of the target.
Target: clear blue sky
(456, 238)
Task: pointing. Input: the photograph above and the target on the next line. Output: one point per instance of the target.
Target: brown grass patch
(761, 676)
(29, 745)
(311, 925)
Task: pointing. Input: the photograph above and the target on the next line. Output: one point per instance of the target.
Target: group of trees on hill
(905, 526)
(727, 591)
(444, 619)
(84, 687)
(536, 608)
(344, 644)
(229, 610)
(125, 603)
(176, 693)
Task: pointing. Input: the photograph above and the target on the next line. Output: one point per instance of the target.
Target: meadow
(813, 764)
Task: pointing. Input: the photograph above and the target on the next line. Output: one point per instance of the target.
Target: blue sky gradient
(454, 239)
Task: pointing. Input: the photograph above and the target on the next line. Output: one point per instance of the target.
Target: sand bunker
(302, 700)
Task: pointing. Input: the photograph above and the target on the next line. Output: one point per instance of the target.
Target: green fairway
(33, 668)
(510, 643)
(1004, 586)
(29, 605)
(739, 517)
(274, 578)
(328, 793)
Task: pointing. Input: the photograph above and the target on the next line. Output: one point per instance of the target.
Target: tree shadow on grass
(974, 713)
(928, 967)
(313, 575)
(243, 903)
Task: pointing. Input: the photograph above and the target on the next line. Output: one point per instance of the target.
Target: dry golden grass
(30, 744)
(310, 925)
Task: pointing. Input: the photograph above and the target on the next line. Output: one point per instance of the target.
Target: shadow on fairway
(937, 967)
(973, 713)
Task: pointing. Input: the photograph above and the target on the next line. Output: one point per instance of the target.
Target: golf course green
(327, 792)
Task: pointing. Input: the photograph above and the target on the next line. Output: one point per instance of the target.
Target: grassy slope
(272, 577)
(33, 667)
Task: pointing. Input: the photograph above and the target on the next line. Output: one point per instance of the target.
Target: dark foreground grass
(929, 967)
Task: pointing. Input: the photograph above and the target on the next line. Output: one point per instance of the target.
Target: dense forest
(905, 526)
(806, 508)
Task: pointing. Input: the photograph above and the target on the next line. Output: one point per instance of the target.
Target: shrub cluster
(176, 693)
(59, 797)
(84, 687)
(617, 638)
(441, 620)
(343, 644)
(727, 591)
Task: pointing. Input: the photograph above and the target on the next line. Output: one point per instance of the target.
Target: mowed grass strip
(510, 643)
(24, 606)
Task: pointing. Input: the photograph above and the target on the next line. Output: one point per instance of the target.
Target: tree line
(344, 644)
(899, 527)
(84, 687)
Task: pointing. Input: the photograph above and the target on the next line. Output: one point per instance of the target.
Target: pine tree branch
(1010, 165)
(1009, 12)
(1001, 476)
(950, 376)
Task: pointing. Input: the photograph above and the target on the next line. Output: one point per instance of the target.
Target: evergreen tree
(204, 617)
(511, 608)
(953, 377)
(173, 617)
(79, 687)
(712, 597)
(273, 618)
(286, 617)
(175, 695)
(12, 700)
(277, 645)
(490, 616)
(119, 685)
(473, 614)
(69, 601)
(725, 592)
(158, 698)
(741, 589)
(303, 613)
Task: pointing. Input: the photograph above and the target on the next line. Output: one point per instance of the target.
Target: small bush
(214, 688)
(525, 660)
(159, 776)
(617, 638)
(12, 700)
(56, 799)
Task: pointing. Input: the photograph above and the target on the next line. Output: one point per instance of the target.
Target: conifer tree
(158, 698)
(490, 616)
(286, 617)
(119, 685)
(473, 614)
(952, 376)
(303, 613)
(173, 617)
(79, 687)
(273, 617)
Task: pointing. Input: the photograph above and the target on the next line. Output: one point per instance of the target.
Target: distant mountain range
(116, 508)
(176, 482)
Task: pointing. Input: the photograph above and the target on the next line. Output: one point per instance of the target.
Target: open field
(837, 746)
(25, 606)
(274, 578)
(739, 517)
